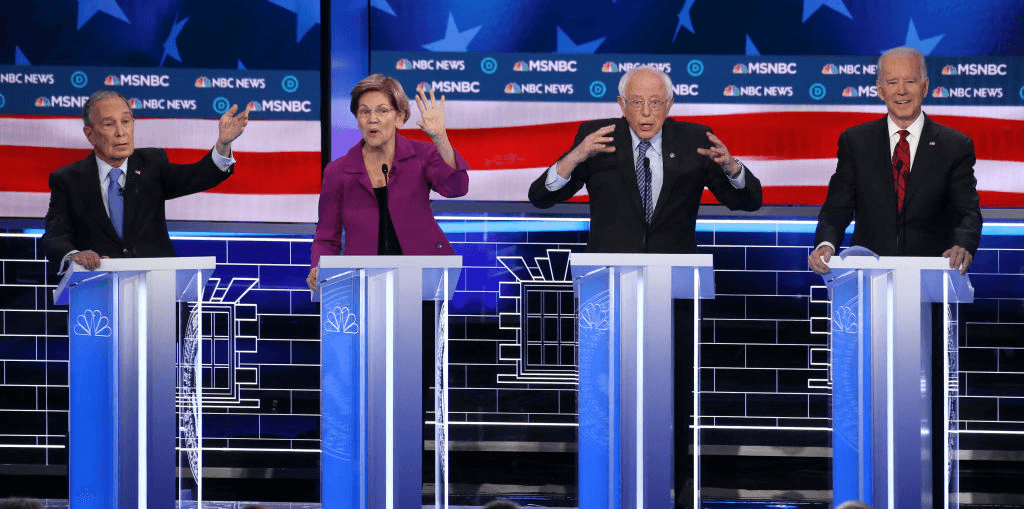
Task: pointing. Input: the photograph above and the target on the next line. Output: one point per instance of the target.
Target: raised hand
(432, 114)
(231, 127)
(720, 154)
(594, 143)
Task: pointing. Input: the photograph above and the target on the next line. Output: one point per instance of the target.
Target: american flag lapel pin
(671, 155)
(931, 143)
(139, 172)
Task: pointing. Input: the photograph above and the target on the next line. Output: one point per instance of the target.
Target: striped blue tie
(643, 178)
(115, 201)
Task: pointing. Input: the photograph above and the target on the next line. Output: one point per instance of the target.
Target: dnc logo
(203, 82)
(731, 91)
(44, 102)
(740, 69)
(255, 105)
(940, 91)
(403, 65)
(513, 88)
(112, 81)
(610, 67)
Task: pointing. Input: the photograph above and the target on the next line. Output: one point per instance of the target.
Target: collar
(915, 128)
(655, 141)
(104, 168)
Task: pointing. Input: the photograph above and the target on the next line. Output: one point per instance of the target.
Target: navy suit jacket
(78, 220)
(940, 208)
(617, 219)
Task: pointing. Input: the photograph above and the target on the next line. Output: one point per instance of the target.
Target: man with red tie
(907, 180)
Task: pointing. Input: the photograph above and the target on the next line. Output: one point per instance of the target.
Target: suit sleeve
(840, 202)
(963, 201)
(539, 195)
(447, 181)
(58, 240)
(185, 179)
(327, 239)
(749, 198)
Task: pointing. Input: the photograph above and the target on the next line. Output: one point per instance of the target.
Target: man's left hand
(959, 258)
(720, 154)
(231, 127)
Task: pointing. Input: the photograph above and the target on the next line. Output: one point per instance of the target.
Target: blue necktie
(115, 201)
(643, 179)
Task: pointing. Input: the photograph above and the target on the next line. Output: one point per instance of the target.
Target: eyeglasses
(654, 104)
(381, 111)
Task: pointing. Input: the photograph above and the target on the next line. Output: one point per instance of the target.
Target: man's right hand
(88, 259)
(818, 259)
(595, 142)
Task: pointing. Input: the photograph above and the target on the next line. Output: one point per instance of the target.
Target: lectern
(372, 380)
(882, 379)
(626, 383)
(122, 429)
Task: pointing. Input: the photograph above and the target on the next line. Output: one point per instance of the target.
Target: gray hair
(626, 77)
(900, 51)
(96, 96)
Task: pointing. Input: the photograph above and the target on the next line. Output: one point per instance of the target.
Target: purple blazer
(347, 201)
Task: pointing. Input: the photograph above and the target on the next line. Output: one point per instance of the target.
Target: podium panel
(371, 362)
(891, 446)
(626, 395)
(122, 426)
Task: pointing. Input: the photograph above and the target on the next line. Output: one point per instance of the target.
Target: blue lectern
(882, 399)
(122, 323)
(626, 384)
(371, 390)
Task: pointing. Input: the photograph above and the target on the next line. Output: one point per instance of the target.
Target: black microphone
(899, 165)
(384, 168)
(647, 162)
(120, 191)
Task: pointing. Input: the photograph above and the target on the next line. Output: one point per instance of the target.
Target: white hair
(900, 51)
(627, 76)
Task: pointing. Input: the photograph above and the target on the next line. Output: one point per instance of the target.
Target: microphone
(384, 168)
(120, 191)
(647, 162)
(899, 165)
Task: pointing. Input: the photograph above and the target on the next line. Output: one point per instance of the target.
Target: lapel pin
(671, 155)
(932, 143)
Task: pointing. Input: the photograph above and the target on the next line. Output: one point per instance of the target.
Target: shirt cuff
(741, 179)
(223, 163)
(65, 263)
(554, 181)
(827, 243)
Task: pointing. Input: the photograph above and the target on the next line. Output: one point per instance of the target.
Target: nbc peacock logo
(513, 88)
(44, 102)
(134, 103)
(940, 92)
(740, 69)
(520, 66)
(949, 70)
(203, 82)
(403, 64)
(112, 81)
(255, 105)
(830, 68)
(731, 91)
(424, 87)
(850, 92)
(610, 67)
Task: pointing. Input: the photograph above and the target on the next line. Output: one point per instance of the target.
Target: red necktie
(901, 168)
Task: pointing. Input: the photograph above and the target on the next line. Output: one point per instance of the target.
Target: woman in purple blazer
(379, 192)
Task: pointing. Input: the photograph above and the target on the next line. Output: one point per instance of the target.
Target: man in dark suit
(908, 180)
(645, 174)
(611, 156)
(111, 204)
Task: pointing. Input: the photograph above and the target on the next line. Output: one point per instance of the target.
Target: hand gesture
(720, 154)
(432, 114)
(959, 258)
(594, 143)
(231, 127)
(818, 259)
(312, 278)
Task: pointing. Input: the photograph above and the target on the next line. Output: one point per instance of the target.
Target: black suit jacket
(940, 208)
(78, 220)
(617, 222)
